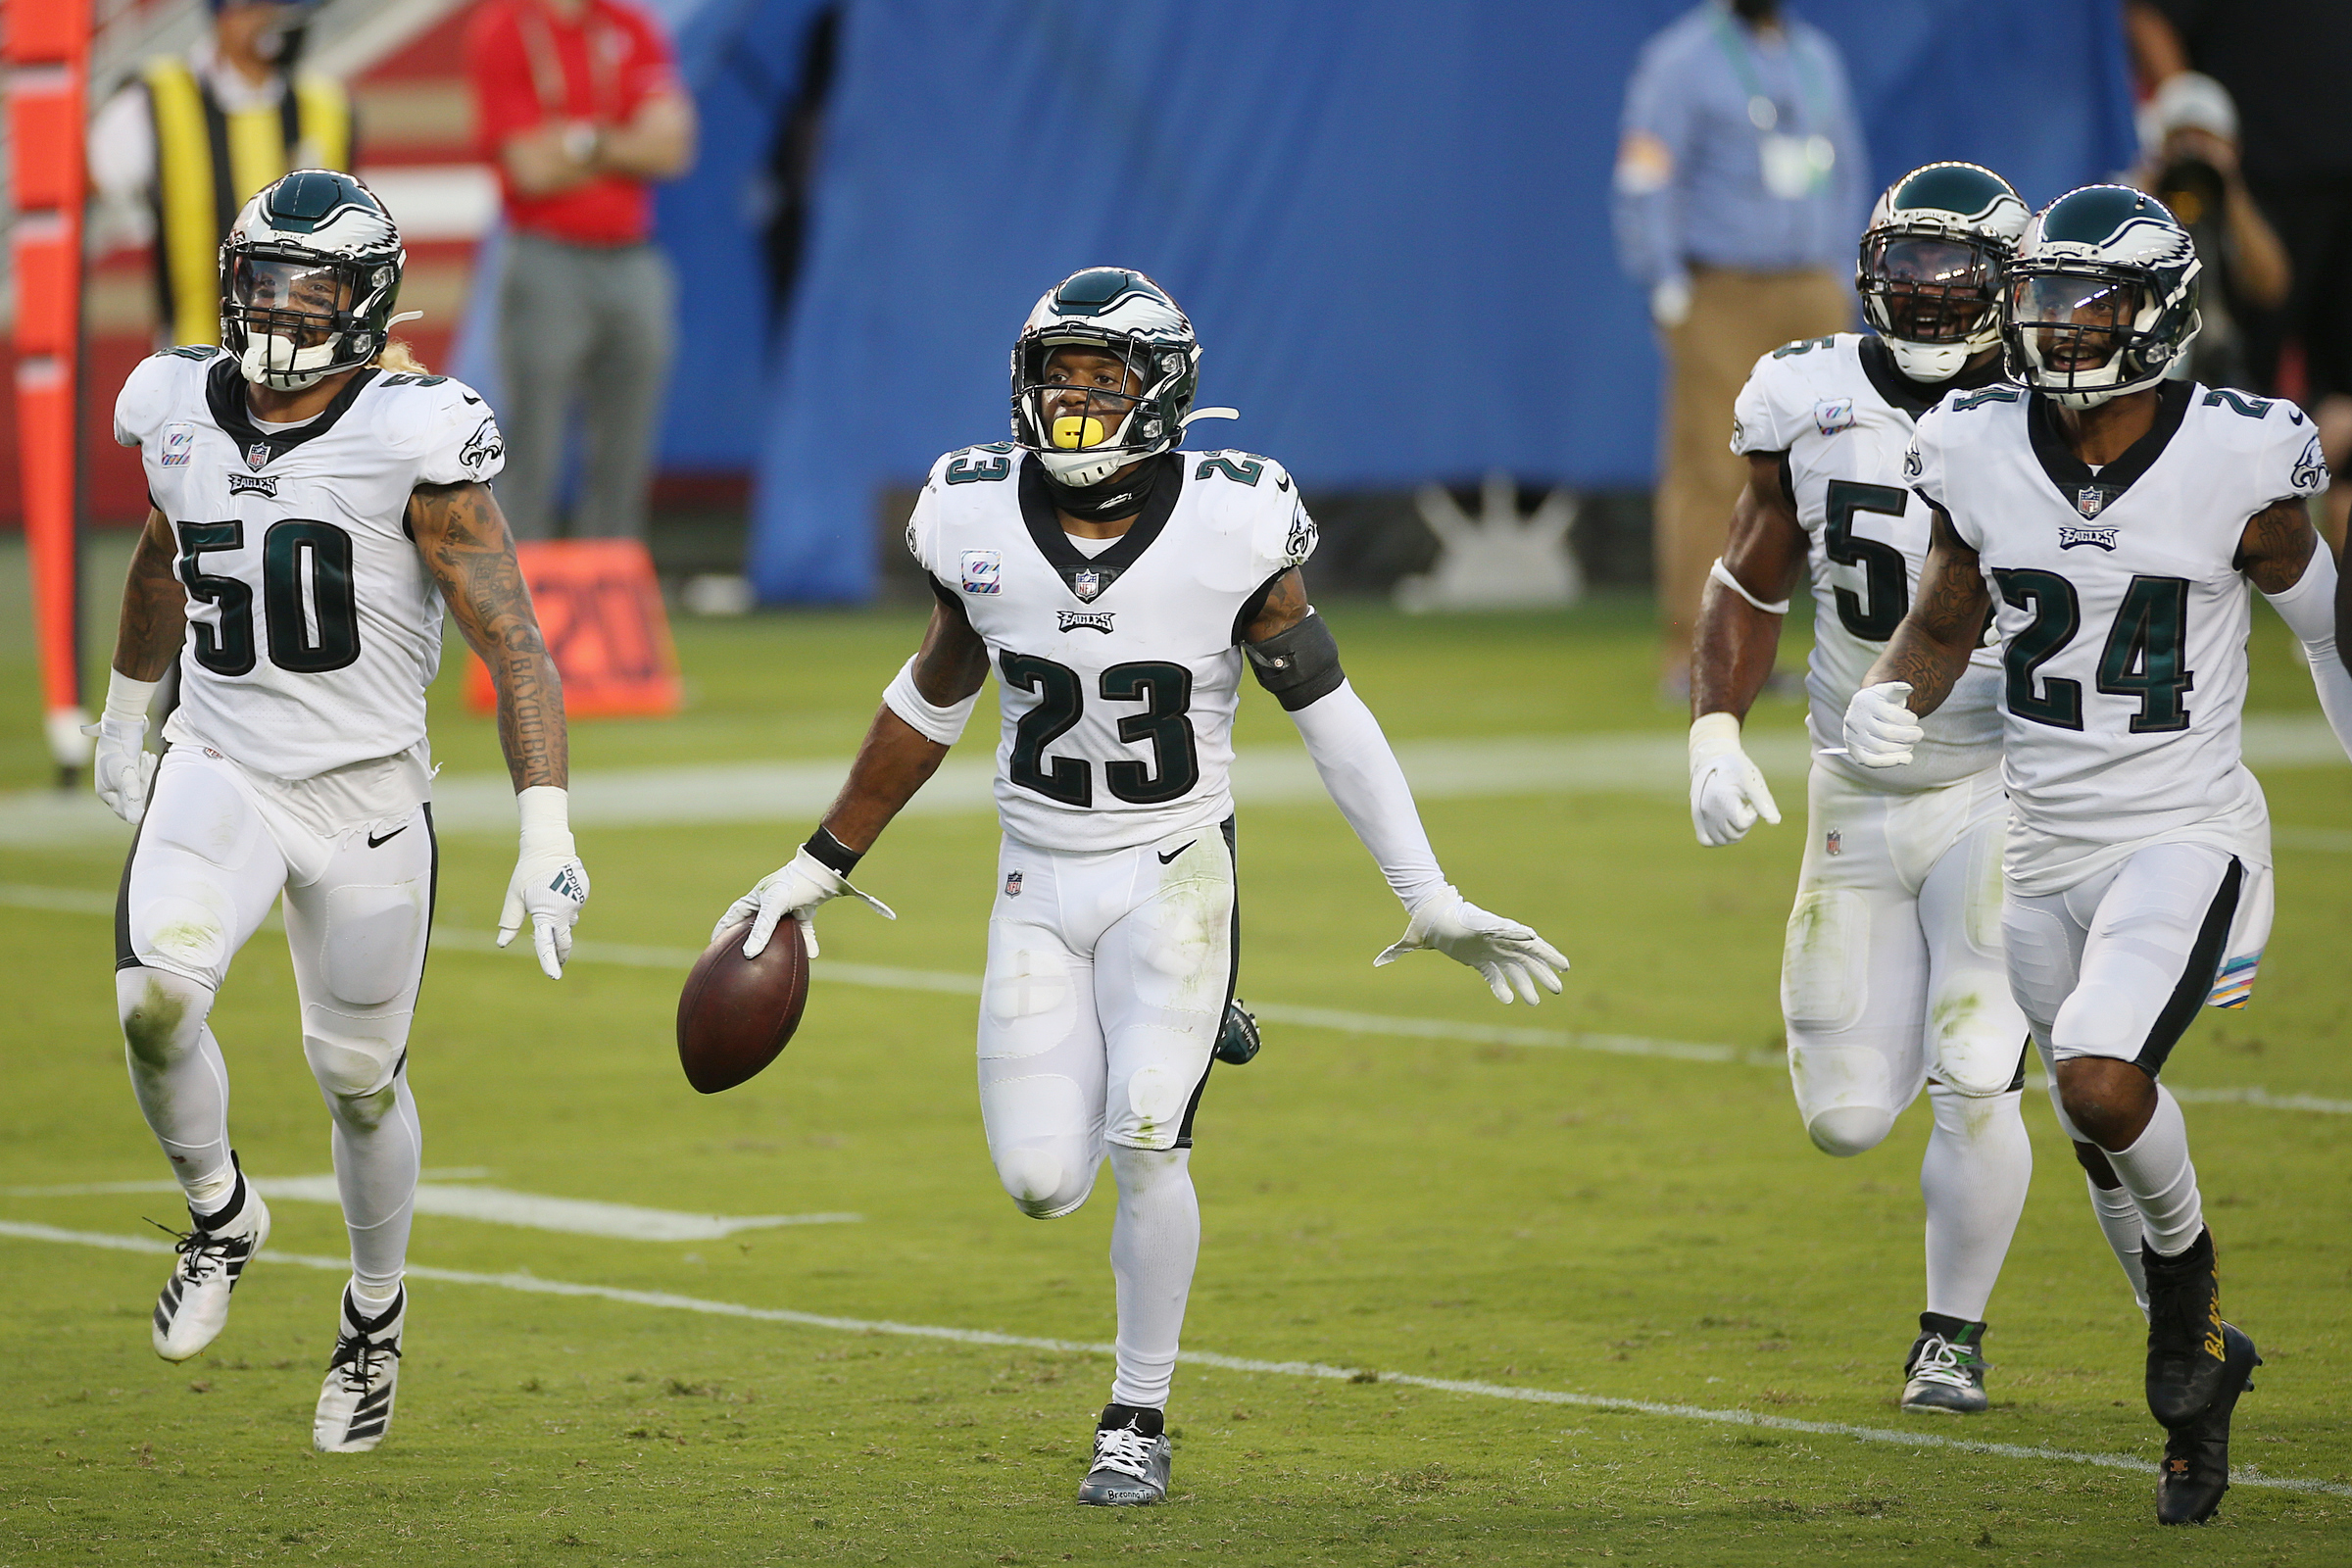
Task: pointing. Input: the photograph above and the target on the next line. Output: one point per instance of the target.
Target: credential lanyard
(1762, 112)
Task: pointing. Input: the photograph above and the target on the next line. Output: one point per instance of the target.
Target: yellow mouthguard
(1070, 431)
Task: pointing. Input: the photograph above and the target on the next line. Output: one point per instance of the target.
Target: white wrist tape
(546, 812)
(1723, 574)
(942, 725)
(127, 698)
(1712, 735)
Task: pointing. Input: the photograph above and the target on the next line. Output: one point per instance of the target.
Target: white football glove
(549, 884)
(795, 889)
(1728, 792)
(121, 766)
(1880, 731)
(1506, 955)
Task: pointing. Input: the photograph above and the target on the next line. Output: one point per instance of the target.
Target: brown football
(736, 1013)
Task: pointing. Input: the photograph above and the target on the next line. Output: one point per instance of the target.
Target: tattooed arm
(463, 537)
(2282, 556)
(155, 608)
(1931, 649)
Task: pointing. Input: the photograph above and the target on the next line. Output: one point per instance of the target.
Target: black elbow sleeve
(1301, 665)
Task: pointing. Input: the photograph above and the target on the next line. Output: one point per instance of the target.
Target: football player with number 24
(313, 508)
(2109, 519)
(1118, 587)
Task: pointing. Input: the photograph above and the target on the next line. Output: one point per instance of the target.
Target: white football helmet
(309, 274)
(1933, 258)
(1083, 435)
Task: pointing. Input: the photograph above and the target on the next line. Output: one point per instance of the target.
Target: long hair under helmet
(1117, 311)
(1933, 259)
(2105, 267)
(309, 274)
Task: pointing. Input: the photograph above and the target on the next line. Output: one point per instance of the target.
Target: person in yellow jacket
(181, 148)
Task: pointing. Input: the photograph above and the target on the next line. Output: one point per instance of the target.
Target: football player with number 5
(1891, 979)
(313, 508)
(2109, 519)
(1118, 587)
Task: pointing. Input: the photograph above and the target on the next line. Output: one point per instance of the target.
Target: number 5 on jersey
(309, 609)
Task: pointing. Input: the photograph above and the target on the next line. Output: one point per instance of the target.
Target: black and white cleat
(1132, 1459)
(2188, 1357)
(1945, 1370)
(2196, 1456)
(193, 1307)
(354, 1404)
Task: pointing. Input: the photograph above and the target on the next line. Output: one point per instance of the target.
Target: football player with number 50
(2109, 519)
(1118, 587)
(1891, 978)
(313, 508)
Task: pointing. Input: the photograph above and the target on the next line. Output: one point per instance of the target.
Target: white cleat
(354, 1404)
(194, 1305)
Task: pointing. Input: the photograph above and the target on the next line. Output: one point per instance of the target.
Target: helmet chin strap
(262, 356)
(1930, 363)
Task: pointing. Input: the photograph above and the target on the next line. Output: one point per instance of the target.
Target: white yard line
(885, 977)
(532, 1284)
(1475, 767)
(623, 1222)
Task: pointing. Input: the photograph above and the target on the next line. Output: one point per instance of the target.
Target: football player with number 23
(313, 507)
(2110, 520)
(1118, 587)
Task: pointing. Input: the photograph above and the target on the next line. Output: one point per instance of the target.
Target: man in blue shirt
(1742, 182)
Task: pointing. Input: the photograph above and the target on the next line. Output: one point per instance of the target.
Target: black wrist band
(830, 852)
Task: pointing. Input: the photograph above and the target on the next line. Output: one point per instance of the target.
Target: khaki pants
(1734, 317)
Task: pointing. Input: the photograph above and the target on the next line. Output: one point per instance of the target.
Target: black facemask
(1122, 495)
(1755, 13)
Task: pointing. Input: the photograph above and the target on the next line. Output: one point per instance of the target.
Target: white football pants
(1892, 979)
(1106, 984)
(214, 852)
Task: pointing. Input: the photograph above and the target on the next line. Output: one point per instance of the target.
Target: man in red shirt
(581, 109)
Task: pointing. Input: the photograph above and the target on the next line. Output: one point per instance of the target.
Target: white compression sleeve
(1369, 786)
(943, 725)
(2309, 611)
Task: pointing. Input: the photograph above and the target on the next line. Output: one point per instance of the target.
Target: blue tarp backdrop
(1388, 220)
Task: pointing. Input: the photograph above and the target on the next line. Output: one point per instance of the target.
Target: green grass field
(1521, 1219)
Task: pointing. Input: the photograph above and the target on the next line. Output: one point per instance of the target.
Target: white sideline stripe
(1465, 768)
(884, 977)
(625, 1222)
(532, 1284)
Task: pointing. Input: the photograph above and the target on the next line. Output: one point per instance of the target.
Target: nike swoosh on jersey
(375, 843)
(470, 397)
(1178, 849)
(1283, 484)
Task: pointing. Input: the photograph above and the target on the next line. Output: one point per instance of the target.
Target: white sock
(1974, 1178)
(375, 1174)
(2163, 1183)
(1155, 1242)
(179, 1078)
(374, 1301)
(2119, 1219)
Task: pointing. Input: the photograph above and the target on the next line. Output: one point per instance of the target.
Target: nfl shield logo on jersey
(983, 571)
(1086, 584)
(257, 456)
(1013, 884)
(2090, 500)
(1833, 841)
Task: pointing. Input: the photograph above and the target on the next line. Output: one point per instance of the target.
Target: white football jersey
(1842, 412)
(1118, 672)
(2121, 612)
(313, 627)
